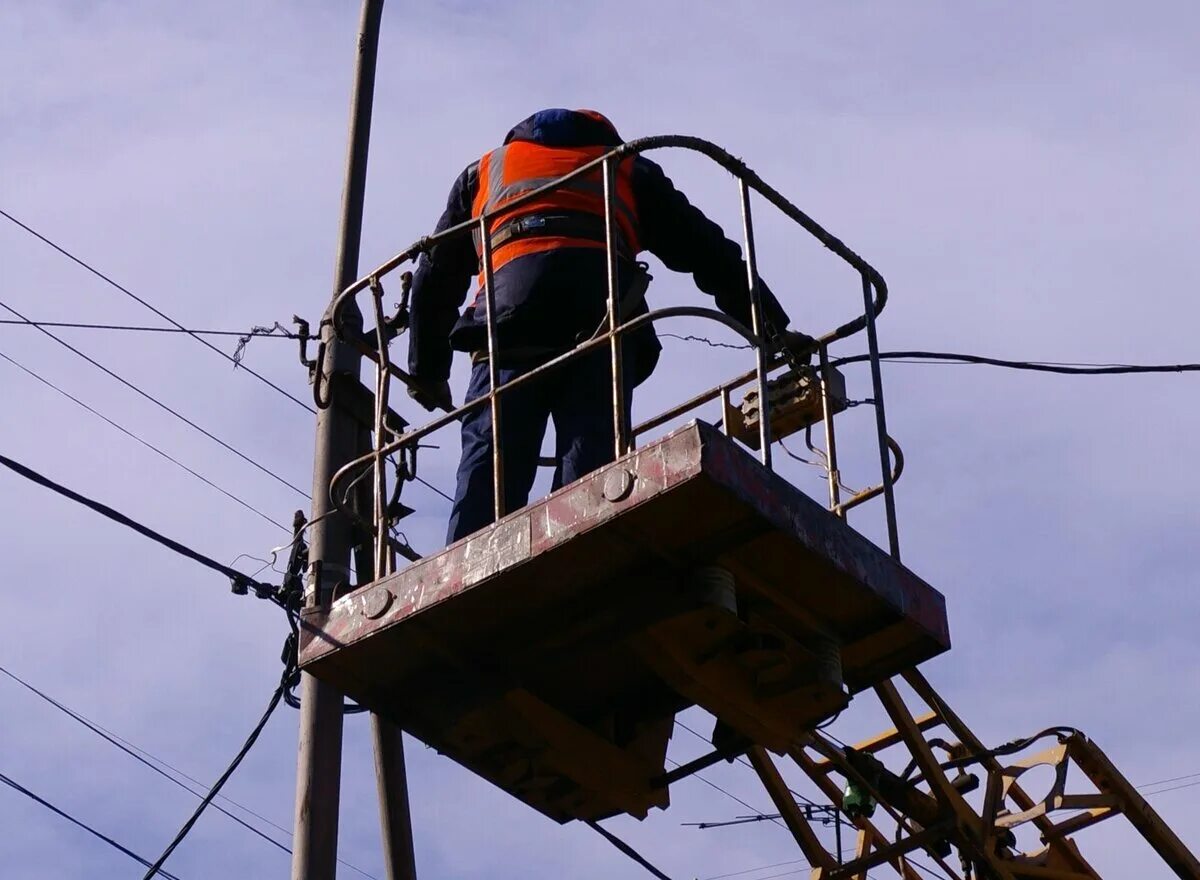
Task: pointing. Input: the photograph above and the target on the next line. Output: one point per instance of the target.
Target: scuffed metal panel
(524, 534)
(498, 548)
(693, 452)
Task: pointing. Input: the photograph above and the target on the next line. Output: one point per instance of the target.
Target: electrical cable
(138, 328)
(159, 403)
(112, 740)
(627, 849)
(276, 697)
(240, 580)
(801, 862)
(144, 442)
(156, 311)
(928, 870)
(709, 342)
(434, 488)
(88, 828)
(809, 801)
(1066, 368)
(1061, 368)
(727, 794)
(1173, 788)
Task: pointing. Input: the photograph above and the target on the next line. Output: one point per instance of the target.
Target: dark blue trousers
(577, 396)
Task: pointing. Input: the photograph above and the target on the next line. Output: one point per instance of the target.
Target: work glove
(432, 395)
(800, 346)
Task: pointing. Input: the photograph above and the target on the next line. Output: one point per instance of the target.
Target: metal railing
(768, 354)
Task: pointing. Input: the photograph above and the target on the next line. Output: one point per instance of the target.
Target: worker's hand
(433, 395)
(799, 345)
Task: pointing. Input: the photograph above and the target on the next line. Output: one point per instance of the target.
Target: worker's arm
(678, 233)
(439, 287)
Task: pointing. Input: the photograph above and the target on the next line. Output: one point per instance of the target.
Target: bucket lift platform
(550, 652)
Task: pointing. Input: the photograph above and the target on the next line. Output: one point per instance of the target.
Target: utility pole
(318, 772)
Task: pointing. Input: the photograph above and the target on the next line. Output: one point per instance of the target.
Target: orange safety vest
(517, 168)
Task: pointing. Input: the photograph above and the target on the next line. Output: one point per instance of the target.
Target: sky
(1023, 174)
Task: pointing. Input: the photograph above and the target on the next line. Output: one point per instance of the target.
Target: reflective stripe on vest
(516, 169)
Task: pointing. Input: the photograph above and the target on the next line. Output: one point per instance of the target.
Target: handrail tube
(874, 292)
(867, 494)
(619, 421)
(889, 495)
(732, 164)
(758, 325)
(583, 347)
(493, 395)
(833, 477)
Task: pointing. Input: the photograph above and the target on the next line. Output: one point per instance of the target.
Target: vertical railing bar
(726, 410)
(889, 494)
(381, 407)
(831, 465)
(620, 422)
(757, 325)
(489, 297)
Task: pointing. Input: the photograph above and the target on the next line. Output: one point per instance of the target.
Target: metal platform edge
(606, 493)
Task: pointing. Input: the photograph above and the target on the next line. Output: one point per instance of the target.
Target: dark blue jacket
(554, 299)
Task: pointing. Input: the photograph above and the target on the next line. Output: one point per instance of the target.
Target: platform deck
(550, 652)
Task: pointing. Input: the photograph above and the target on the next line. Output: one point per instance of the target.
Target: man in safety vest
(550, 283)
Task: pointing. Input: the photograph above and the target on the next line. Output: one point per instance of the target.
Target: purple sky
(1022, 174)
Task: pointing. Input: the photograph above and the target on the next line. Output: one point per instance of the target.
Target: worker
(551, 292)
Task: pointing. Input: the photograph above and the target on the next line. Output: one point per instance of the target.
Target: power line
(1173, 788)
(159, 403)
(746, 763)
(1172, 779)
(151, 761)
(1059, 367)
(626, 849)
(129, 751)
(429, 485)
(928, 870)
(272, 704)
(88, 828)
(144, 442)
(1067, 368)
(727, 794)
(240, 580)
(704, 339)
(137, 328)
(156, 311)
(801, 862)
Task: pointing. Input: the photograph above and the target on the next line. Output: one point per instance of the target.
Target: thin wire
(1172, 779)
(156, 868)
(626, 849)
(429, 485)
(1069, 368)
(1061, 368)
(156, 311)
(928, 870)
(710, 343)
(145, 757)
(159, 403)
(1173, 788)
(800, 862)
(727, 794)
(746, 763)
(238, 578)
(137, 328)
(88, 828)
(96, 729)
(144, 442)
